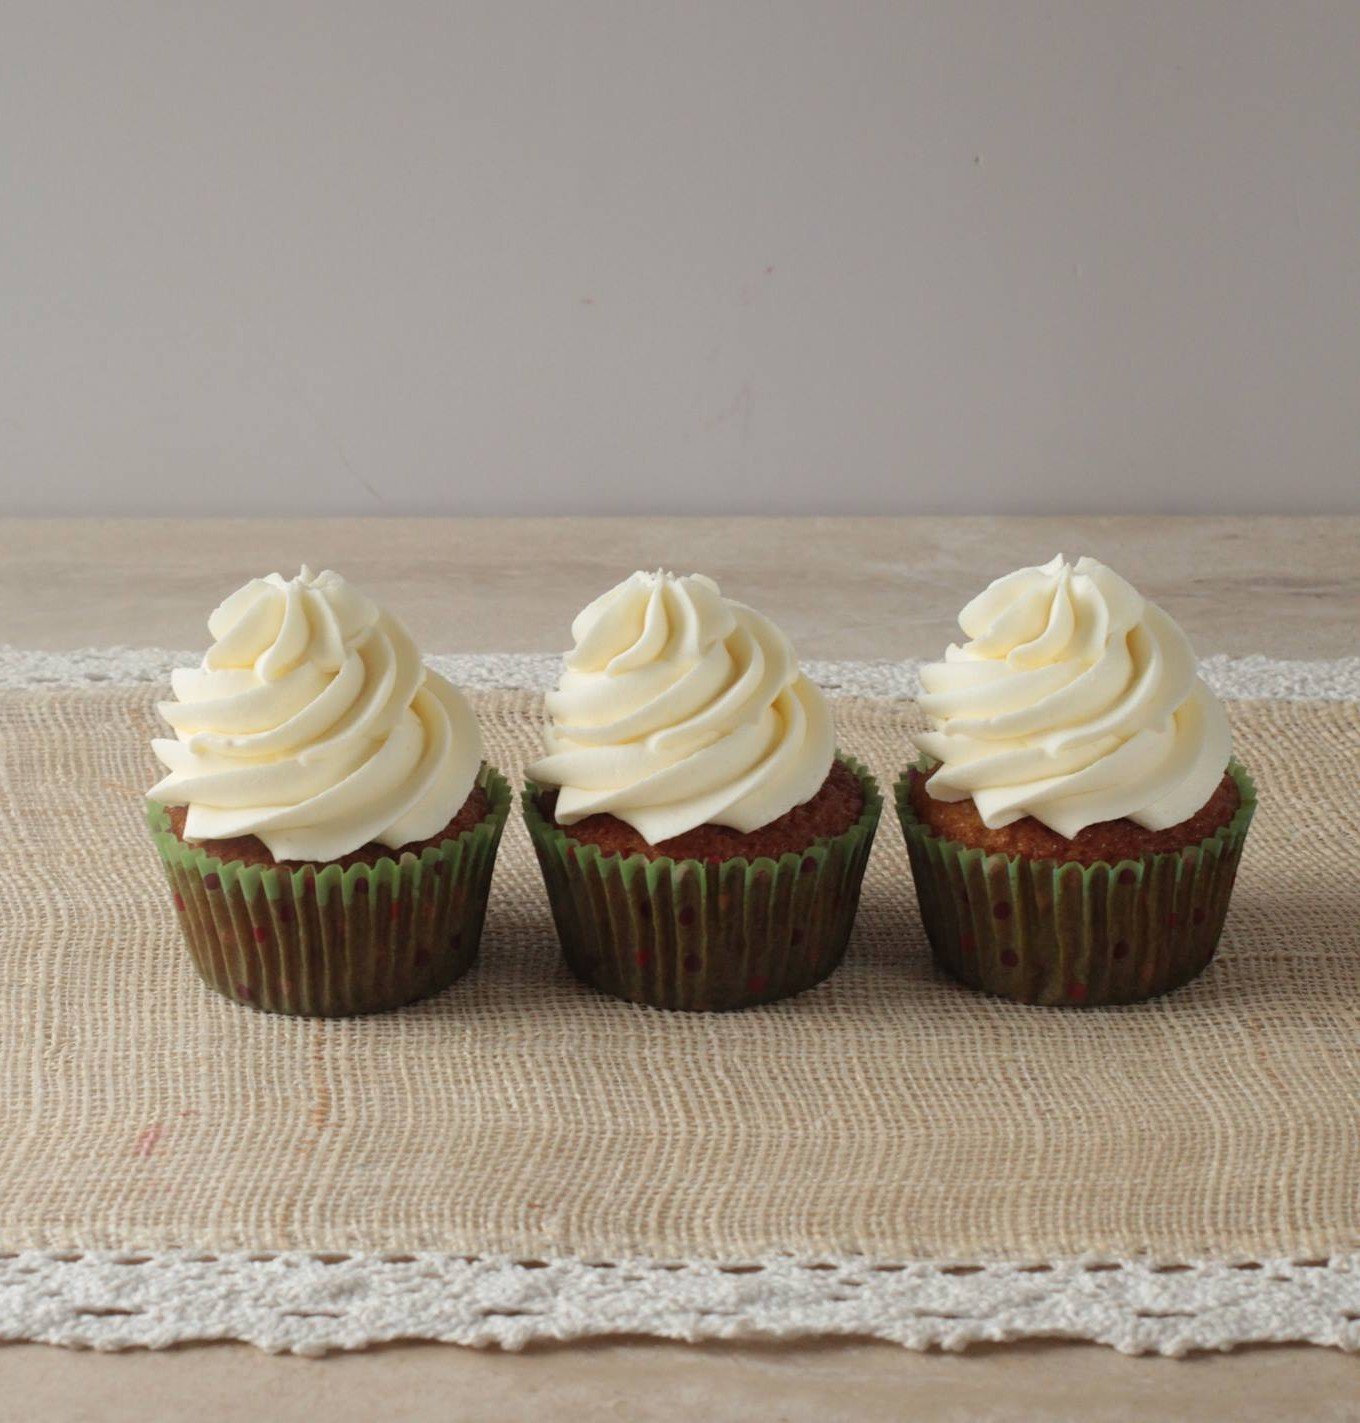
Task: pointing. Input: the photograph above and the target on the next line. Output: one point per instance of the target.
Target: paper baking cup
(1042, 931)
(326, 942)
(704, 935)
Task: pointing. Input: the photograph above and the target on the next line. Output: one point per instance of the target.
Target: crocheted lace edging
(313, 1304)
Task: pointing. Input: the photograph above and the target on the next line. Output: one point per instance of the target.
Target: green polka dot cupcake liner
(1045, 932)
(325, 942)
(704, 935)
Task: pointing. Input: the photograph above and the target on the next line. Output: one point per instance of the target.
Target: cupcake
(1075, 820)
(327, 825)
(701, 840)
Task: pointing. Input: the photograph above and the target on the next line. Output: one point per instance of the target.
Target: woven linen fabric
(886, 1114)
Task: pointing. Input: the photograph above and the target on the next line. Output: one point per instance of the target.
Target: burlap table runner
(887, 1115)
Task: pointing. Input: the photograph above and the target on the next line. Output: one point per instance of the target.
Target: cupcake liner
(1042, 931)
(704, 935)
(326, 942)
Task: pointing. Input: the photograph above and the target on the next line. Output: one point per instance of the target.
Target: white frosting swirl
(678, 708)
(1075, 701)
(313, 724)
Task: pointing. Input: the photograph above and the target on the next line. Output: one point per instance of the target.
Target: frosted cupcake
(327, 825)
(702, 842)
(1076, 819)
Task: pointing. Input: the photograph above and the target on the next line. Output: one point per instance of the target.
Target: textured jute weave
(886, 1113)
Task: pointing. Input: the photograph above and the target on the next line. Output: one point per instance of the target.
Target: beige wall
(724, 257)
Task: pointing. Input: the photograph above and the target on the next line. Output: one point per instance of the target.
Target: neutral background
(592, 258)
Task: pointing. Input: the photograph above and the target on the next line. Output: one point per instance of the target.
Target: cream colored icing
(1074, 700)
(678, 707)
(313, 724)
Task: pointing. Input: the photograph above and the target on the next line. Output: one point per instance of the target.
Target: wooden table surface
(842, 588)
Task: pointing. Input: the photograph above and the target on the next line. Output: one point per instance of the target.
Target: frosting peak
(1075, 700)
(313, 724)
(678, 707)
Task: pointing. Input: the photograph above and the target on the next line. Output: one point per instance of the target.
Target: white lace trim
(1231, 677)
(311, 1304)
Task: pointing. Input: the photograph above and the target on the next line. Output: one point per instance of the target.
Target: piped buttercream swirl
(1074, 701)
(678, 707)
(313, 724)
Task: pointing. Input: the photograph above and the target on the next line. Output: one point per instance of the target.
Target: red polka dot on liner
(394, 912)
(757, 983)
(1076, 992)
(261, 933)
(1001, 910)
(967, 943)
(179, 901)
(1121, 949)
(1199, 916)
(642, 958)
(243, 990)
(361, 886)
(212, 881)
(687, 915)
(1171, 921)
(809, 864)
(1127, 876)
